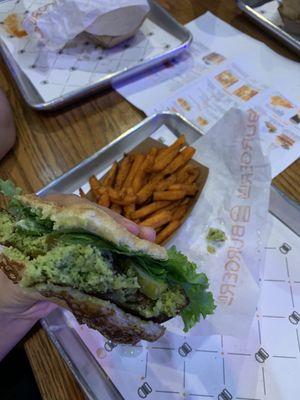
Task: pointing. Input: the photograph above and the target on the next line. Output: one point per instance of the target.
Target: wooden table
(50, 144)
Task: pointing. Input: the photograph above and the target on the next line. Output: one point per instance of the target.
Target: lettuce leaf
(182, 270)
(33, 226)
(195, 285)
(177, 270)
(201, 304)
(28, 221)
(9, 189)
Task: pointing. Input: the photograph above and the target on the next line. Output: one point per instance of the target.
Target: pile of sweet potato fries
(154, 189)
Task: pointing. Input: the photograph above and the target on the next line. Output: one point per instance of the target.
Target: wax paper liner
(235, 199)
(55, 24)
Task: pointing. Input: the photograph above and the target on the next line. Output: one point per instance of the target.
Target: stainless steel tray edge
(285, 209)
(90, 165)
(60, 348)
(57, 334)
(37, 103)
(283, 36)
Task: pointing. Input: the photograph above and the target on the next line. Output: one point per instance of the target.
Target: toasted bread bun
(73, 213)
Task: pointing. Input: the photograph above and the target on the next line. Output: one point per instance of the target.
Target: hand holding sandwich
(99, 266)
(20, 310)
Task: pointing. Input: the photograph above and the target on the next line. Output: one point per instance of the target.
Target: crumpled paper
(55, 24)
(235, 199)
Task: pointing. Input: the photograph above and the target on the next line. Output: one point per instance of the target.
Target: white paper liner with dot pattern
(82, 62)
(264, 366)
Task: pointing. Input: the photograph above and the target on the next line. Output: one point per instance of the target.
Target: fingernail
(132, 227)
(147, 233)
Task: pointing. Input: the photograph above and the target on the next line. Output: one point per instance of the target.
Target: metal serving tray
(100, 161)
(91, 377)
(157, 15)
(89, 374)
(249, 8)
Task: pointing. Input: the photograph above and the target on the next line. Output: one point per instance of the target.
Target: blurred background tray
(265, 14)
(157, 15)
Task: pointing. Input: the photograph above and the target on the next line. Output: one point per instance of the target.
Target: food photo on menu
(149, 200)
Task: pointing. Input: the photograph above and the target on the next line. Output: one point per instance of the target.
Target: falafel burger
(74, 253)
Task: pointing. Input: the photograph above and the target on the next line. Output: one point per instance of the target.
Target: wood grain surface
(54, 379)
(50, 144)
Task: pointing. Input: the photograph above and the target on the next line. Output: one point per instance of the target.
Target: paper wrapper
(235, 199)
(55, 24)
(289, 11)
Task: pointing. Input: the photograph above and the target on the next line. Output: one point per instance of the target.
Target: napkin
(55, 24)
(235, 199)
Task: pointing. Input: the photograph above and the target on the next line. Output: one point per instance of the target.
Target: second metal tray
(249, 7)
(157, 15)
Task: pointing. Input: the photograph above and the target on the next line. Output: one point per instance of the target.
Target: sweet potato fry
(177, 145)
(179, 212)
(190, 190)
(146, 192)
(183, 157)
(165, 159)
(169, 195)
(193, 176)
(167, 155)
(158, 219)
(94, 184)
(135, 166)
(173, 205)
(183, 173)
(116, 198)
(187, 200)
(102, 190)
(150, 158)
(149, 209)
(124, 202)
(109, 179)
(123, 171)
(114, 194)
(138, 179)
(128, 210)
(167, 231)
(104, 200)
(165, 183)
(116, 208)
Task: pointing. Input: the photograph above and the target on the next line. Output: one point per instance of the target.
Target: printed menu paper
(204, 83)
